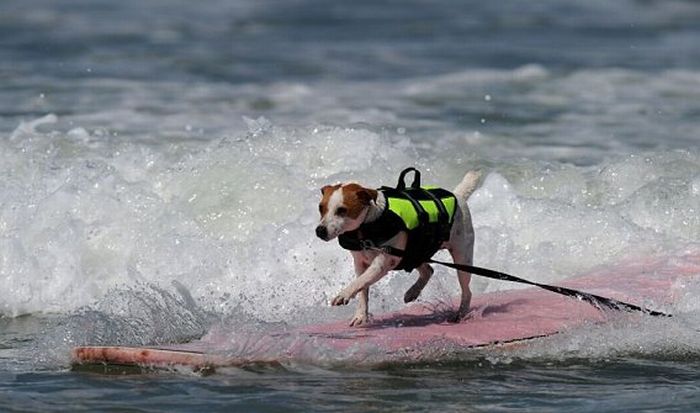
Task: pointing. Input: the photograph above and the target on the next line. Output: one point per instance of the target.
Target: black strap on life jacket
(372, 235)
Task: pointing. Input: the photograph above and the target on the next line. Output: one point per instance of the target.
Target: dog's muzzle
(322, 232)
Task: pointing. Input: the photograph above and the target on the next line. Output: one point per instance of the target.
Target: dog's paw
(455, 318)
(340, 299)
(359, 320)
(460, 315)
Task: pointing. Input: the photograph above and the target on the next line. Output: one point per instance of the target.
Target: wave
(231, 219)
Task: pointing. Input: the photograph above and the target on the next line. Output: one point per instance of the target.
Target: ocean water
(160, 164)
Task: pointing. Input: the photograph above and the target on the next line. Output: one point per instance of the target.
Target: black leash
(593, 299)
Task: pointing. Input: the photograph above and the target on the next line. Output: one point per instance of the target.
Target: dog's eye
(320, 208)
(341, 211)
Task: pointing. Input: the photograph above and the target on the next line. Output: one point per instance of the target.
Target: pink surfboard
(421, 332)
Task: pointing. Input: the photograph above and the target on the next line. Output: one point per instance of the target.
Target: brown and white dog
(344, 207)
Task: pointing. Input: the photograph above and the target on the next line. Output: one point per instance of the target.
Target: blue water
(160, 165)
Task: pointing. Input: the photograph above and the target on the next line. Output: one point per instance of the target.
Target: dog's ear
(325, 188)
(366, 196)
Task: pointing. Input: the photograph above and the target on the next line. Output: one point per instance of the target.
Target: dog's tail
(468, 185)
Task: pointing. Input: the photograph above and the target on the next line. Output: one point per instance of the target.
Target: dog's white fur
(371, 266)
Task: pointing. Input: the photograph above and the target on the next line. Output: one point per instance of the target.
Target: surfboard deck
(420, 332)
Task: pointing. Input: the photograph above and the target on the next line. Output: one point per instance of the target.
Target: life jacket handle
(416, 179)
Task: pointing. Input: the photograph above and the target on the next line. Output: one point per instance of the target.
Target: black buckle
(367, 244)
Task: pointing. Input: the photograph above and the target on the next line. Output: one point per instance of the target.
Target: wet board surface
(421, 332)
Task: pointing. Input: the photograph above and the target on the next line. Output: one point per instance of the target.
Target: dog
(346, 207)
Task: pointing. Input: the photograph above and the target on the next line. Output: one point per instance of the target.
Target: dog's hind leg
(464, 278)
(462, 252)
(425, 271)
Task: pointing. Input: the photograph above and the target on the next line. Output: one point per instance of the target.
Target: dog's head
(343, 208)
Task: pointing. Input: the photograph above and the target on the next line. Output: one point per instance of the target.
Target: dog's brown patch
(356, 198)
(326, 192)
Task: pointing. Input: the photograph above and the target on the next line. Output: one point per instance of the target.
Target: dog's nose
(322, 232)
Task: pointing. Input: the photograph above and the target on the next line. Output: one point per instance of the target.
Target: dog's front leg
(361, 316)
(379, 267)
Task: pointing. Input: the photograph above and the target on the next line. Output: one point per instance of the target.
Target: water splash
(230, 220)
